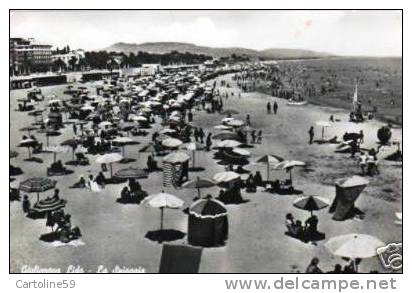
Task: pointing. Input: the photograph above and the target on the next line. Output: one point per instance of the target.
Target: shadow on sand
(165, 235)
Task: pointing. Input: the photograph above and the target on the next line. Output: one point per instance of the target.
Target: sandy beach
(114, 234)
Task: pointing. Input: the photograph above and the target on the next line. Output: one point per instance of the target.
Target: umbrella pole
(161, 218)
(73, 153)
(123, 151)
(28, 148)
(268, 171)
(54, 157)
(38, 196)
(47, 140)
(323, 130)
(111, 170)
(290, 176)
(194, 153)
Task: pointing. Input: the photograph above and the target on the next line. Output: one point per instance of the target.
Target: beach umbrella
(176, 157)
(228, 144)
(28, 129)
(323, 124)
(131, 173)
(172, 142)
(28, 143)
(354, 245)
(236, 123)
(138, 118)
(311, 203)
(288, 166)
(56, 149)
(226, 176)
(49, 204)
(222, 127)
(105, 124)
(193, 146)
(123, 141)
(225, 136)
(198, 183)
(167, 131)
(51, 132)
(109, 159)
(227, 119)
(229, 112)
(241, 152)
(269, 160)
(87, 108)
(162, 201)
(73, 143)
(37, 184)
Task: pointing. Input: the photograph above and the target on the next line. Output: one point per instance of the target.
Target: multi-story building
(27, 55)
(67, 58)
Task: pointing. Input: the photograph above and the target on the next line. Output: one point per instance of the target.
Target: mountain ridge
(217, 52)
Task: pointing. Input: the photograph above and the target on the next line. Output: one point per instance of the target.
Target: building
(75, 55)
(28, 55)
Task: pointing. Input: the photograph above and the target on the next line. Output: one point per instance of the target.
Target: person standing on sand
(275, 107)
(311, 134)
(268, 107)
(208, 142)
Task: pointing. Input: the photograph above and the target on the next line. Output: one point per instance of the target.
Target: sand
(113, 234)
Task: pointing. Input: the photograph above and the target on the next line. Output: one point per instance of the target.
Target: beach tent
(347, 191)
(180, 259)
(207, 223)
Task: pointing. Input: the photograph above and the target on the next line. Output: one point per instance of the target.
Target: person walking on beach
(74, 129)
(275, 107)
(248, 120)
(26, 204)
(201, 134)
(259, 137)
(208, 142)
(311, 134)
(268, 107)
(361, 137)
(253, 135)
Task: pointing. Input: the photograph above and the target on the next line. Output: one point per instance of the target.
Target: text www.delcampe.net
(310, 284)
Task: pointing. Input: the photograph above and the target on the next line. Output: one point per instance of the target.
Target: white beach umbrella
(109, 159)
(323, 124)
(228, 144)
(163, 200)
(226, 176)
(354, 245)
(172, 142)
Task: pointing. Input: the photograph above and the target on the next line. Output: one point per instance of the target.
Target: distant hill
(166, 47)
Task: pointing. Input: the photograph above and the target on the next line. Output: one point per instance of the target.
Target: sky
(341, 32)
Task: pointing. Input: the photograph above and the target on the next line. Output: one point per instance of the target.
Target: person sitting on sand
(362, 162)
(101, 179)
(290, 223)
(80, 184)
(125, 193)
(313, 267)
(250, 184)
(258, 179)
(337, 270)
(311, 225)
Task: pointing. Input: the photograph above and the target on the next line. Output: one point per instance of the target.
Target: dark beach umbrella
(37, 184)
(131, 173)
(269, 160)
(28, 129)
(28, 143)
(226, 136)
(229, 112)
(49, 205)
(49, 133)
(198, 183)
(73, 143)
(311, 203)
